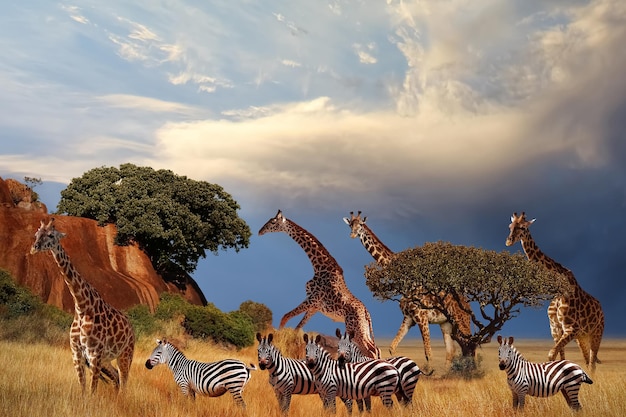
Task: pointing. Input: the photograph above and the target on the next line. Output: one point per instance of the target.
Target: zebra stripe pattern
(540, 379)
(286, 375)
(207, 378)
(355, 381)
(408, 370)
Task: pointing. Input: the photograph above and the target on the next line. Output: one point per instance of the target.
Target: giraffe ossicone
(327, 291)
(99, 333)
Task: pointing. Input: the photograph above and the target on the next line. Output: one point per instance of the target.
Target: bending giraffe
(99, 332)
(327, 291)
(412, 311)
(576, 315)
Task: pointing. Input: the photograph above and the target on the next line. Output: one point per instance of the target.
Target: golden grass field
(39, 380)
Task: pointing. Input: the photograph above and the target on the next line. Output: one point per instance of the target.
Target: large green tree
(174, 219)
(496, 284)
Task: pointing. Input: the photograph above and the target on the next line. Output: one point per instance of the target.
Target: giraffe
(327, 291)
(99, 332)
(575, 315)
(413, 313)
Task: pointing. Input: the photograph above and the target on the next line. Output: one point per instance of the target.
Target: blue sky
(437, 119)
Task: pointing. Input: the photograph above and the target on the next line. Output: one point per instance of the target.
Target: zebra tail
(252, 367)
(586, 378)
(432, 371)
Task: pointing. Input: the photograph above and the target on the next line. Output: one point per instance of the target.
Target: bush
(467, 367)
(142, 320)
(171, 306)
(260, 314)
(15, 300)
(210, 323)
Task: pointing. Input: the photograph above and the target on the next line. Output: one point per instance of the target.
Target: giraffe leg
(422, 323)
(567, 337)
(446, 331)
(306, 305)
(556, 327)
(596, 339)
(124, 361)
(407, 323)
(584, 345)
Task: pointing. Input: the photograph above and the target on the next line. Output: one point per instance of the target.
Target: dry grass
(39, 380)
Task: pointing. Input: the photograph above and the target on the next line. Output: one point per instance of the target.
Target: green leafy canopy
(174, 219)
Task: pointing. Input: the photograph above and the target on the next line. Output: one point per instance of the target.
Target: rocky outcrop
(123, 275)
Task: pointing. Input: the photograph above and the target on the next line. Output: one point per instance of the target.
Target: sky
(436, 119)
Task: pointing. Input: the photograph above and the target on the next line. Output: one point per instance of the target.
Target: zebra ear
(306, 338)
(499, 339)
(270, 337)
(318, 338)
(511, 340)
(258, 337)
(338, 333)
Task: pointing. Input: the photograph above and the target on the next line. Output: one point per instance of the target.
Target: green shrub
(171, 306)
(467, 367)
(260, 314)
(144, 323)
(15, 300)
(209, 322)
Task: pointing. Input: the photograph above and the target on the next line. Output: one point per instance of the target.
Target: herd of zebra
(352, 375)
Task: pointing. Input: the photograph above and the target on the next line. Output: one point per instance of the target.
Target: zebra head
(264, 351)
(160, 354)
(506, 352)
(345, 349)
(313, 350)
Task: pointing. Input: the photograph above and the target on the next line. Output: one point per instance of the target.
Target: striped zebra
(348, 351)
(207, 378)
(355, 381)
(540, 379)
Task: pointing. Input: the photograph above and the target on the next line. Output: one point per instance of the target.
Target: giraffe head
(356, 224)
(275, 224)
(46, 237)
(517, 228)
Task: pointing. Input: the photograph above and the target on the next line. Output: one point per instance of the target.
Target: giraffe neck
(82, 292)
(379, 251)
(319, 256)
(535, 254)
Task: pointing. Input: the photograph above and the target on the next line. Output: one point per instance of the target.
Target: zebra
(355, 381)
(348, 351)
(540, 379)
(208, 378)
(286, 375)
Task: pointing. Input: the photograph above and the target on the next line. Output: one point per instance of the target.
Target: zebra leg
(407, 323)
(284, 401)
(236, 393)
(348, 403)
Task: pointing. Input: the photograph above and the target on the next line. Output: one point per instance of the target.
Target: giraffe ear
(346, 220)
(531, 221)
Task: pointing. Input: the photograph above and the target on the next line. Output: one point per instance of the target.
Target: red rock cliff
(123, 275)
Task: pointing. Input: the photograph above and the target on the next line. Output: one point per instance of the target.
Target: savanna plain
(38, 379)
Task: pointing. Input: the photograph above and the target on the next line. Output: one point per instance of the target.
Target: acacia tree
(174, 220)
(495, 284)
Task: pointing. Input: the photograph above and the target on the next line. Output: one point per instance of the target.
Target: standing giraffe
(99, 332)
(575, 315)
(412, 312)
(327, 291)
